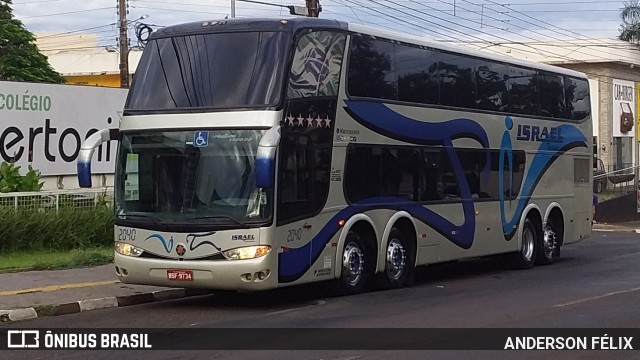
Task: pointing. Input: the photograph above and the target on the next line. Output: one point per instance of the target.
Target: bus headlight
(247, 252)
(128, 249)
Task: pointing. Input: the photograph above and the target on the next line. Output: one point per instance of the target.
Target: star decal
(309, 121)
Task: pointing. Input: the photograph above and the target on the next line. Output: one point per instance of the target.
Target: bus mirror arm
(266, 158)
(86, 153)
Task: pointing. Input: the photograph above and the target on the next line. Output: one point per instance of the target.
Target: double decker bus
(261, 153)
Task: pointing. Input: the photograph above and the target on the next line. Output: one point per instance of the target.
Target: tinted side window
(400, 173)
(305, 162)
(523, 94)
(362, 173)
(473, 161)
(374, 171)
(457, 80)
(416, 69)
(551, 95)
(492, 87)
(577, 98)
(481, 187)
(432, 187)
(448, 179)
(372, 69)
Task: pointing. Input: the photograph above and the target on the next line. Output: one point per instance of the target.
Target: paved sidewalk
(31, 294)
(633, 227)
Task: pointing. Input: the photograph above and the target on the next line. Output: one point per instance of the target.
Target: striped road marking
(57, 287)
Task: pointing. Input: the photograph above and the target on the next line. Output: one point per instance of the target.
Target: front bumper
(214, 275)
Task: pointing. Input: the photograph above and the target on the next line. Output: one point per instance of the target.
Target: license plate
(180, 275)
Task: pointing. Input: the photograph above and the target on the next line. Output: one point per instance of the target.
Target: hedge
(68, 228)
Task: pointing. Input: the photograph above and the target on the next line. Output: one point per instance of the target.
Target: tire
(548, 244)
(525, 258)
(354, 274)
(599, 187)
(399, 260)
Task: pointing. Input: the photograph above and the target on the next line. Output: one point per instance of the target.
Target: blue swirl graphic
(547, 153)
(167, 246)
(380, 118)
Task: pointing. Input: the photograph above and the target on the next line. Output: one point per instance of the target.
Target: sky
(501, 21)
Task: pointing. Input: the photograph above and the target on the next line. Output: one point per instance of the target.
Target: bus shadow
(495, 266)
(310, 294)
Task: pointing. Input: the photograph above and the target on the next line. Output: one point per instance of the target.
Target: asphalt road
(596, 284)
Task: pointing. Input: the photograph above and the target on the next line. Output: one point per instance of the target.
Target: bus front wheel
(353, 275)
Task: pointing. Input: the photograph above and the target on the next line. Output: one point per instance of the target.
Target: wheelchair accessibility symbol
(201, 139)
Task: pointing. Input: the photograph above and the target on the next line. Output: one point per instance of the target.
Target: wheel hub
(550, 241)
(352, 264)
(396, 259)
(528, 244)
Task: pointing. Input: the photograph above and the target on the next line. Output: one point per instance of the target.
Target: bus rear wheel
(354, 274)
(526, 256)
(398, 270)
(548, 247)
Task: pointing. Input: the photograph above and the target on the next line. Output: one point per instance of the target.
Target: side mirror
(86, 153)
(266, 158)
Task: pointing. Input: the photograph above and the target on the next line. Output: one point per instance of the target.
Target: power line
(69, 12)
(527, 37)
(490, 42)
(178, 10)
(74, 31)
(35, 2)
(556, 27)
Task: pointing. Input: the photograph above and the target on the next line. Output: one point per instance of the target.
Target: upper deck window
(219, 70)
(393, 71)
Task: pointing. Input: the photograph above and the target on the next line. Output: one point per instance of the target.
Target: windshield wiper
(219, 217)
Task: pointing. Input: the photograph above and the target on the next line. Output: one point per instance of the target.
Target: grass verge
(54, 260)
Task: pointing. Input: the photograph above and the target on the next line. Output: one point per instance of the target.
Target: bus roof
(243, 24)
(294, 23)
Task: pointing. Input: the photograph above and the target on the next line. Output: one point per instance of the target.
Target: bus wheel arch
(530, 238)
(552, 237)
(356, 254)
(397, 258)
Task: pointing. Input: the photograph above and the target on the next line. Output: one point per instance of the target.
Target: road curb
(616, 229)
(28, 313)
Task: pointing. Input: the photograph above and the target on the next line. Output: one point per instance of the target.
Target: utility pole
(124, 44)
(314, 7)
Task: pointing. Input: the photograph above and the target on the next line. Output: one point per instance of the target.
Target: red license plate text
(180, 275)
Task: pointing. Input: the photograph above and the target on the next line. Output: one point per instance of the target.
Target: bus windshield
(190, 176)
(218, 70)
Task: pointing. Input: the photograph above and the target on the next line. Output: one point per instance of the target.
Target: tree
(20, 59)
(630, 28)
